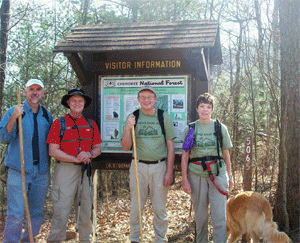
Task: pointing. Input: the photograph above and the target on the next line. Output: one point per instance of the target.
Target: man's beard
(35, 101)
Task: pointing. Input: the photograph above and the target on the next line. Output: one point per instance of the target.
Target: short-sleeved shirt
(70, 143)
(150, 141)
(206, 143)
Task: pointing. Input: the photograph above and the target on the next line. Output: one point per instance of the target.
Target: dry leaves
(113, 219)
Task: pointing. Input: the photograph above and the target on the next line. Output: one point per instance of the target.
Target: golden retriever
(250, 213)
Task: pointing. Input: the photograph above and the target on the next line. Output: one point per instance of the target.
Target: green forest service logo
(204, 141)
(148, 131)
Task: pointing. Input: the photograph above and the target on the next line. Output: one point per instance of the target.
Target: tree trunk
(236, 92)
(85, 11)
(260, 37)
(286, 210)
(3, 46)
(276, 39)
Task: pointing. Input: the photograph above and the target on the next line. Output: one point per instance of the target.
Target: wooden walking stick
(95, 206)
(137, 183)
(23, 171)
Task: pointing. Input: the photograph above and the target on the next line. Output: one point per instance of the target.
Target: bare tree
(287, 196)
(3, 46)
(85, 11)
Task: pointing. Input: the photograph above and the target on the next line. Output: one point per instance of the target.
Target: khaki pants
(65, 191)
(203, 193)
(151, 179)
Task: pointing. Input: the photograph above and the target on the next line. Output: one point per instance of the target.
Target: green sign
(119, 100)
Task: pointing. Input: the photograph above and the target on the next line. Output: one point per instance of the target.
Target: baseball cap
(147, 87)
(34, 81)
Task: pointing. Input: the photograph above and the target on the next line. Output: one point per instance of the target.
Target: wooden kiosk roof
(143, 36)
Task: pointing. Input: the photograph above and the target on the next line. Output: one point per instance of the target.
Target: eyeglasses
(142, 98)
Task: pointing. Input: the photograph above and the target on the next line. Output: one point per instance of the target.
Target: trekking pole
(95, 182)
(83, 168)
(137, 183)
(23, 171)
(89, 174)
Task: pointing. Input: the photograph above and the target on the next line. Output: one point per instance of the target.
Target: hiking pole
(89, 174)
(23, 171)
(137, 182)
(95, 182)
(83, 168)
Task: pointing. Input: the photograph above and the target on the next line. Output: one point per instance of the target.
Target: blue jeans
(36, 188)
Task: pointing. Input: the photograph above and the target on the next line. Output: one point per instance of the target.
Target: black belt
(81, 163)
(205, 158)
(151, 162)
(36, 162)
(207, 161)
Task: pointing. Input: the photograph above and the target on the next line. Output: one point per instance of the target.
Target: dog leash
(211, 174)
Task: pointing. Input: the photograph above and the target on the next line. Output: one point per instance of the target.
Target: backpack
(63, 126)
(218, 134)
(3, 168)
(160, 118)
(45, 114)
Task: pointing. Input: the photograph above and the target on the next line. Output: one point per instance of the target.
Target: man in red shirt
(74, 150)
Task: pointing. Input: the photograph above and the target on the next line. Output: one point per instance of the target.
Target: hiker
(36, 123)
(155, 156)
(73, 141)
(206, 170)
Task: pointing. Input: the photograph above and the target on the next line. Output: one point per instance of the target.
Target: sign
(248, 151)
(248, 164)
(119, 100)
(142, 64)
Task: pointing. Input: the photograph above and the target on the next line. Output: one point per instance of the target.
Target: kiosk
(112, 62)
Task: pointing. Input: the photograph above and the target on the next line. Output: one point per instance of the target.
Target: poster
(119, 100)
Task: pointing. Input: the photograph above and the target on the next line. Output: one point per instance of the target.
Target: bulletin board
(118, 99)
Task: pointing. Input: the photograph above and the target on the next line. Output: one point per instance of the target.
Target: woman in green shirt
(206, 170)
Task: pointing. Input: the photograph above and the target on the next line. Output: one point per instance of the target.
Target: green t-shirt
(150, 141)
(206, 145)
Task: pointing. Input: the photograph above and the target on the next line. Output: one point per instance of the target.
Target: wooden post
(23, 171)
(247, 180)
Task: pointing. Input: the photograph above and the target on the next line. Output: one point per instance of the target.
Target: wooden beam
(78, 67)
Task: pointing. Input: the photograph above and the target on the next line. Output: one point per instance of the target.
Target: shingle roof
(141, 36)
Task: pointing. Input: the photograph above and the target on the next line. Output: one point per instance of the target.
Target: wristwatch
(91, 152)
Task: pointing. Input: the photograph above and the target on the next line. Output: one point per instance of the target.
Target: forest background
(256, 87)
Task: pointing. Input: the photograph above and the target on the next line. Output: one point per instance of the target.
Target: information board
(119, 99)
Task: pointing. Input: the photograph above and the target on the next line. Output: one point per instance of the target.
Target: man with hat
(36, 123)
(155, 155)
(73, 150)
